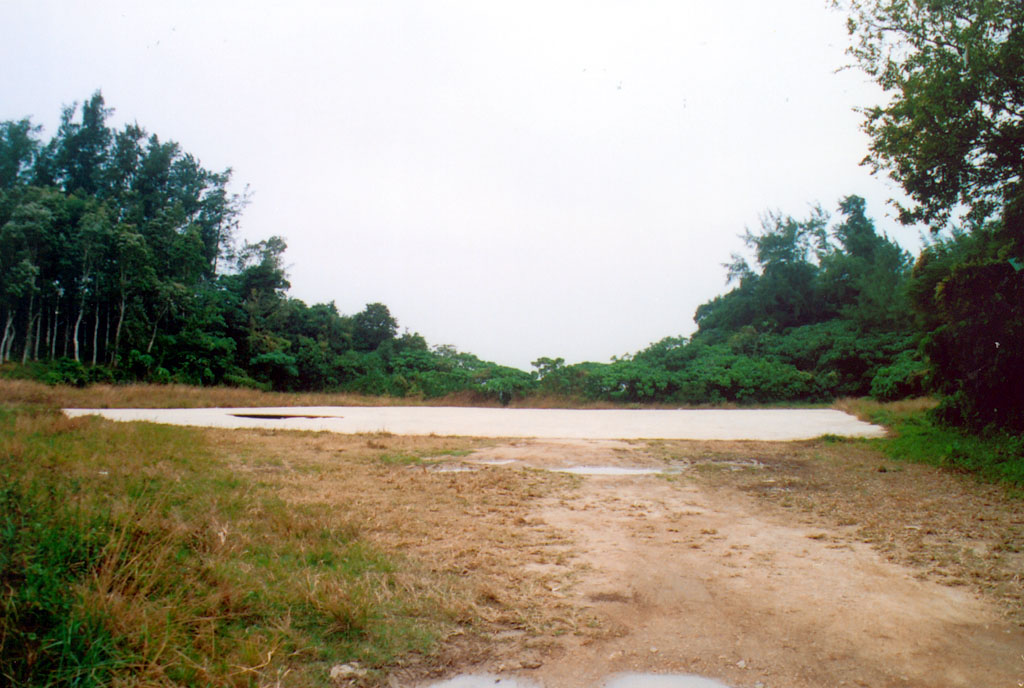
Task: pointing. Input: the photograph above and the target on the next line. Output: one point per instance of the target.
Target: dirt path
(685, 577)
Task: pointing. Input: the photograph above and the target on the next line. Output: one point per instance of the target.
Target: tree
(780, 293)
(18, 149)
(952, 132)
(864, 274)
(373, 326)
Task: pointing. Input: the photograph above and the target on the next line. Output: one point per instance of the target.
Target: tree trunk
(7, 328)
(46, 340)
(6, 356)
(56, 323)
(156, 324)
(39, 327)
(78, 324)
(106, 332)
(28, 327)
(117, 332)
(96, 333)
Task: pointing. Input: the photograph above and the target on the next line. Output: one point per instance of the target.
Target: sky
(517, 179)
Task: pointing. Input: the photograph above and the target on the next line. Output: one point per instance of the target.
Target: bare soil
(800, 564)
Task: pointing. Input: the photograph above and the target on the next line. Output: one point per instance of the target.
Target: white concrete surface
(730, 424)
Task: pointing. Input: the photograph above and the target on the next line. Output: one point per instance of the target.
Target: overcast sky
(518, 179)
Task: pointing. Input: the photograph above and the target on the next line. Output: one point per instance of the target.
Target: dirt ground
(797, 565)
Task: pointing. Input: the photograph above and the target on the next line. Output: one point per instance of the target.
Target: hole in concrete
(276, 416)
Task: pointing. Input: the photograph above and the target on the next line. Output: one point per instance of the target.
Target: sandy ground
(691, 580)
(733, 424)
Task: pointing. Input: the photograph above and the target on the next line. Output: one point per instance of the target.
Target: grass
(139, 554)
(915, 437)
(131, 554)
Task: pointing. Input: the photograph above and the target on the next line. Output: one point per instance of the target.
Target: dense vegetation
(823, 313)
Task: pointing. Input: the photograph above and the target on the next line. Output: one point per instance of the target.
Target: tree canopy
(952, 132)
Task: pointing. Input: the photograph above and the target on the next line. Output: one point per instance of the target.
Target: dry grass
(868, 409)
(945, 525)
(466, 538)
(142, 395)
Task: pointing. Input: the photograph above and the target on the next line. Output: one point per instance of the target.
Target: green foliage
(904, 378)
(951, 131)
(952, 134)
(372, 327)
(117, 261)
(45, 549)
(917, 437)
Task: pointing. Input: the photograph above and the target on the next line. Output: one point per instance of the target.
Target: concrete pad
(712, 424)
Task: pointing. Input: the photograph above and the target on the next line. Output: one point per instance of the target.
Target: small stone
(343, 671)
(742, 664)
(654, 649)
(759, 685)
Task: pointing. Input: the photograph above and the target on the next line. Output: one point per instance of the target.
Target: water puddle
(620, 681)
(609, 470)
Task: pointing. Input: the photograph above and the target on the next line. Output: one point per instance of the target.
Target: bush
(66, 371)
(904, 378)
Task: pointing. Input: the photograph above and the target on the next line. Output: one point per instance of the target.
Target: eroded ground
(800, 564)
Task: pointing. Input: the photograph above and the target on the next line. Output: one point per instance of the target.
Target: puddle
(620, 681)
(662, 681)
(609, 470)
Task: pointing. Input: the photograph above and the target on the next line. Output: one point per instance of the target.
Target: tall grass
(129, 555)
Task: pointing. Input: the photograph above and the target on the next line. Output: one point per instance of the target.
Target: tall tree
(952, 132)
(373, 326)
(18, 149)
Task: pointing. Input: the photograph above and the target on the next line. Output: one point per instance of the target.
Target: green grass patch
(916, 437)
(399, 459)
(131, 555)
